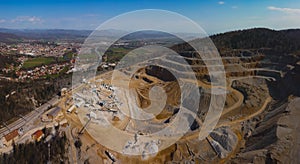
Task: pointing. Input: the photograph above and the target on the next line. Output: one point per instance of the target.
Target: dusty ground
(246, 98)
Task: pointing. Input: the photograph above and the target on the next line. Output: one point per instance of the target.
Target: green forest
(38, 152)
(22, 102)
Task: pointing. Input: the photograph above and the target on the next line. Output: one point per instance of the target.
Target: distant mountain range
(284, 40)
(12, 35)
(15, 35)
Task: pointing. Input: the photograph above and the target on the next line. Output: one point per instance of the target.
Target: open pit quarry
(138, 115)
(110, 96)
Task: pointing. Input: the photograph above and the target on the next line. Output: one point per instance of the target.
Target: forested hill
(9, 38)
(271, 41)
(285, 41)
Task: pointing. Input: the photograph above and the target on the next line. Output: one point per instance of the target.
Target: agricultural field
(31, 63)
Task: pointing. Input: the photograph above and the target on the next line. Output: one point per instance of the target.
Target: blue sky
(214, 16)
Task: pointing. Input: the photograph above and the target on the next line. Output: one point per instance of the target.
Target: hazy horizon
(91, 30)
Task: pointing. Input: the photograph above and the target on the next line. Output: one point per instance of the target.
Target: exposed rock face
(287, 85)
(276, 139)
(223, 141)
(160, 73)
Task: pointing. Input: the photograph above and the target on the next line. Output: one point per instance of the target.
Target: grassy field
(30, 63)
(115, 54)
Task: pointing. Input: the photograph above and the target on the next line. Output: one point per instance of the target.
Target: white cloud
(221, 2)
(2, 20)
(234, 7)
(285, 10)
(30, 19)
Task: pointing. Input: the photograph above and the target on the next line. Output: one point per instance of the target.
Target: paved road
(28, 117)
